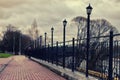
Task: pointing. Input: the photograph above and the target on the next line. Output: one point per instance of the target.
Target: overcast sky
(48, 13)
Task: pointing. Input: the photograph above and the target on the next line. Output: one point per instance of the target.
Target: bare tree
(100, 27)
(33, 32)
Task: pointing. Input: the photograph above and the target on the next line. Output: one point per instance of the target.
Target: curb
(62, 74)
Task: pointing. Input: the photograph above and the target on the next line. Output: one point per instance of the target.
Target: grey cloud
(117, 0)
(50, 13)
(11, 3)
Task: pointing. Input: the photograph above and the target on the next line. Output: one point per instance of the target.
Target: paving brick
(4, 61)
(21, 68)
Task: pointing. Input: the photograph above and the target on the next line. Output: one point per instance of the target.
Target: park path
(21, 68)
(4, 61)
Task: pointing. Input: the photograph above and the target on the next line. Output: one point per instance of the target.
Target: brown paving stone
(4, 61)
(22, 68)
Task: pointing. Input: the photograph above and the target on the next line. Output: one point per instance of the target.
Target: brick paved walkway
(4, 61)
(21, 68)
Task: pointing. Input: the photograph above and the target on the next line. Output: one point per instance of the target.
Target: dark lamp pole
(40, 41)
(45, 47)
(89, 10)
(52, 29)
(64, 25)
(45, 38)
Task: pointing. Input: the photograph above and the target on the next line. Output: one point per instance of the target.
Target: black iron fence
(104, 55)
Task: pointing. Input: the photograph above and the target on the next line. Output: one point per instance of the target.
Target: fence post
(57, 53)
(52, 53)
(45, 46)
(110, 71)
(48, 53)
(73, 44)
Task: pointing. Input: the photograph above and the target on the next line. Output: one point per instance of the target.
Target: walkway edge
(5, 65)
(52, 69)
(66, 73)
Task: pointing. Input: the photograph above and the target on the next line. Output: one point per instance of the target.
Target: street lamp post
(40, 41)
(52, 29)
(64, 26)
(89, 9)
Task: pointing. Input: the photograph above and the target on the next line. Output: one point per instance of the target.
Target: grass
(5, 55)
